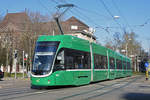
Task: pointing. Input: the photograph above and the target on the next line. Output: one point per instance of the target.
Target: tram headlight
(49, 81)
(38, 80)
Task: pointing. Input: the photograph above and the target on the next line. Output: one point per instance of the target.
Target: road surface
(130, 88)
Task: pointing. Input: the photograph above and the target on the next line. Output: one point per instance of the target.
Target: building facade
(15, 25)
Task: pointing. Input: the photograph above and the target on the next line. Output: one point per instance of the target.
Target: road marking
(118, 85)
(102, 90)
(39, 92)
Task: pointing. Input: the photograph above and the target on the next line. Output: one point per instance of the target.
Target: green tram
(68, 60)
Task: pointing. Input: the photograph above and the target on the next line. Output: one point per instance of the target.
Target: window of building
(74, 27)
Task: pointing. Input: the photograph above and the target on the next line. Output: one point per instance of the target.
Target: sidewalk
(18, 78)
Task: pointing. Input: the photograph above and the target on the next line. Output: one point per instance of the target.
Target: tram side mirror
(82, 57)
(59, 57)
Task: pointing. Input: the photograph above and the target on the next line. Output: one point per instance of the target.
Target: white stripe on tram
(78, 70)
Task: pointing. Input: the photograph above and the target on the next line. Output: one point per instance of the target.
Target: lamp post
(23, 64)
(26, 57)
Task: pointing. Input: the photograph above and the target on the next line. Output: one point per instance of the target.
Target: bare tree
(7, 46)
(38, 25)
(131, 44)
(115, 43)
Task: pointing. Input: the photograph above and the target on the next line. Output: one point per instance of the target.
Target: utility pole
(15, 63)
(126, 49)
(23, 64)
(26, 57)
(58, 16)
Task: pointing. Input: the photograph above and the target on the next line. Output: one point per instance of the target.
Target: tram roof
(69, 38)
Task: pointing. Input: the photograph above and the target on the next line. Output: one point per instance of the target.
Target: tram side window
(119, 64)
(69, 62)
(105, 62)
(59, 62)
(112, 63)
(100, 62)
(124, 65)
(79, 62)
(75, 59)
(97, 61)
(87, 61)
(128, 65)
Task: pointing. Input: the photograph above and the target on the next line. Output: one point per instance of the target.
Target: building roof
(17, 19)
(17, 22)
(74, 19)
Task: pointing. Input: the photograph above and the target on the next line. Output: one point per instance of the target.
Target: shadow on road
(51, 87)
(137, 96)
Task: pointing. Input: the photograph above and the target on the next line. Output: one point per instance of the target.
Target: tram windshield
(43, 57)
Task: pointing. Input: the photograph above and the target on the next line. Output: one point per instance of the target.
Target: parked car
(1, 74)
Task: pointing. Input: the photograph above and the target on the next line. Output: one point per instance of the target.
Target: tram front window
(43, 57)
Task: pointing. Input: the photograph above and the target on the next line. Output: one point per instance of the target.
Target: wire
(59, 1)
(89, 20)
(115, 5)
(55, 1)
(63, 1)
(109, 12)
(141, 25)
(93, 12)
(39, 1)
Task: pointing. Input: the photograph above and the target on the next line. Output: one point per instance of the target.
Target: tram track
(130, 80)
(111, 90)
(23, 92)
(15, 94)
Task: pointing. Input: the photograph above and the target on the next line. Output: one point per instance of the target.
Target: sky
(97, 14)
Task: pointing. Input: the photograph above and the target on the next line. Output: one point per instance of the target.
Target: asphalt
(130, 88)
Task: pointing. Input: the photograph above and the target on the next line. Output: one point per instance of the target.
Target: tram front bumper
(43, 81)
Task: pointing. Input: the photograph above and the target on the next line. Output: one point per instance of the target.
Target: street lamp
(116, 17)
(107, 24)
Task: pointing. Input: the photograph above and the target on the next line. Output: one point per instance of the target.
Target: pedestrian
(146, 70)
